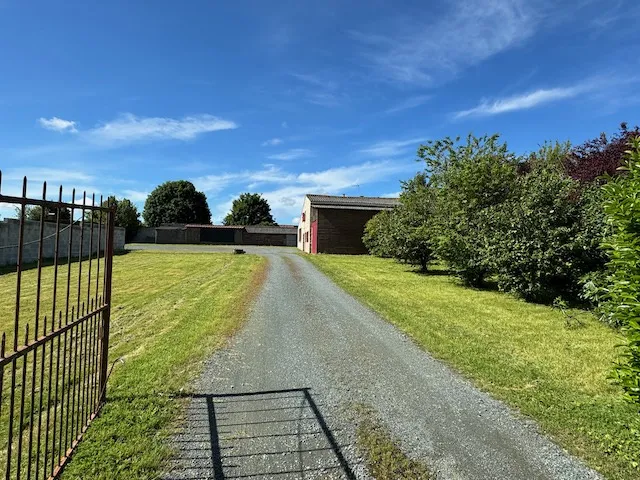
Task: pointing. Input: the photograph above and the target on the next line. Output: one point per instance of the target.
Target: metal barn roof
(353, 203)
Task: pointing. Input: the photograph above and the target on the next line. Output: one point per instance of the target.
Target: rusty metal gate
(53, 352)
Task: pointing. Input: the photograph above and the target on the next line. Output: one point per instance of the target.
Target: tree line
(174, 202)
(560, 225)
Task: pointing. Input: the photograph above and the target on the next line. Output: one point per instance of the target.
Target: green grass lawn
(171, 310)
(519, 352)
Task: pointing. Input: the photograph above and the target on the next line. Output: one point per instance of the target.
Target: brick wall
(341, 230)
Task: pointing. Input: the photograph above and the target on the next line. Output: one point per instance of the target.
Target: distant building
(333, 224)
(277, 235)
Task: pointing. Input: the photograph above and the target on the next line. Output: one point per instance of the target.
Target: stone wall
(10, 232)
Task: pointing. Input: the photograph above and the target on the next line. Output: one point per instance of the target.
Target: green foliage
(378, 234)
(127, 215)
(176, 202)
(546, 236)
(621, 304)
(34, 213)
(406, 232)
(250, 209)
(472, 179)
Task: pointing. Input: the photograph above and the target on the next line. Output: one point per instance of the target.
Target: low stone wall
(10, 232)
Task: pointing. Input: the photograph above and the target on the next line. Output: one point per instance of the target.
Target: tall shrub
(471, 179)
(622, 295)
(590, 161)
(545, 237)
(378, 235)
(405, 233)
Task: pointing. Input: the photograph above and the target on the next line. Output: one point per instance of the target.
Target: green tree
(34, 212)
(378, 234)
(249, 209)
(471, 180)
(405, 233)
(547, 234)
(621, 300)
(127, 215)
(176, 202)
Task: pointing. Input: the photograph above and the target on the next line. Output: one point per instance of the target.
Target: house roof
(352, 203)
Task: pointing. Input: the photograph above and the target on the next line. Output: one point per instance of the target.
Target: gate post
(106, 314)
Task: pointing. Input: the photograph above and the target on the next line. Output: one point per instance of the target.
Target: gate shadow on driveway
(266, 434)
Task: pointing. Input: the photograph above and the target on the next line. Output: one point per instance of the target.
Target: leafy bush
(405, 233)
(378, 235)
(471, 180)
(622, 296)
(547, 234)
(589, 162)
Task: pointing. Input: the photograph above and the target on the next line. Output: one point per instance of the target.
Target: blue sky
(288, 98)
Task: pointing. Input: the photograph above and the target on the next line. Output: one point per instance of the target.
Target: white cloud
(135, 196)
(319, 90)
(422, 52)
(391, 195)
(411, 102)
(272, 142)
(292, 154)
(285, 125)
(324, 99)
(129, 128)
(50, 175)
(58, 124)
(392, 148)
(522, 101)
(285, 190)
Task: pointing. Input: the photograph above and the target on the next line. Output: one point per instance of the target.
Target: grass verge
(384, 458)
(521, 353)
(171, 310)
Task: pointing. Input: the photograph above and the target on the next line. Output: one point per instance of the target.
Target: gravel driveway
(278, 401)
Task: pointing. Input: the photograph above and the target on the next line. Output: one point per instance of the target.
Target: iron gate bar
(50, 425)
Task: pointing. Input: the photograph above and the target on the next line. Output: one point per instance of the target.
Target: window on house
(299, 234)
(303, 216)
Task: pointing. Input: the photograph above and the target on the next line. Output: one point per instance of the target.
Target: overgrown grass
(385, 460)
(171, 310)
(521, 353)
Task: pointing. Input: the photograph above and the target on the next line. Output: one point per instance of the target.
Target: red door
(314, 237)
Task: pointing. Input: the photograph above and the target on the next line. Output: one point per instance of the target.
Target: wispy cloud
(409, 103)
(392, 148)
(136, 196)
(285, 190)
(58, 124)
(45, 174)
(522, 101)
(422, 52)
(129, 128)
(319, 90)
(292, 154)
(272, 142)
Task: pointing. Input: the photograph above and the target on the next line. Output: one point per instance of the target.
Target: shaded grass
(171, 310)
(519, 352)
(384, 458)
